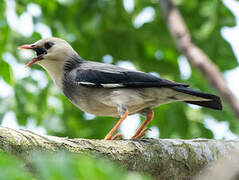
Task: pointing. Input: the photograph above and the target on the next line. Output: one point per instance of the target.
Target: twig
(195, 55)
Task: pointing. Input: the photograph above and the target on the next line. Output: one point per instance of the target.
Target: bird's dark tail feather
(214, 102)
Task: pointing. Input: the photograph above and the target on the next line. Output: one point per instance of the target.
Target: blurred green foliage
(96, 28)
(62, 166)
(99, 27)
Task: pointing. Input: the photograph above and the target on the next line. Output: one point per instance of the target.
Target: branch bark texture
(195, 55)
(161, 158)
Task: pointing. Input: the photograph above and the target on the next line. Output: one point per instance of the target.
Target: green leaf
(12, 168)
(6, 72)
(64, 165)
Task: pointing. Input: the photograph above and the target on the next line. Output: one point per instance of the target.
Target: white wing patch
(87, 83)
(112, 85)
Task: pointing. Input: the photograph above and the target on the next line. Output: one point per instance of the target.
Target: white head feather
(53, 61)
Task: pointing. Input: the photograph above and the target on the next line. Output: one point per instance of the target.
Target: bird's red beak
(28, 46)
(33, 47)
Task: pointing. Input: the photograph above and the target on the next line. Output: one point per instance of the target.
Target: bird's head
(49, 50)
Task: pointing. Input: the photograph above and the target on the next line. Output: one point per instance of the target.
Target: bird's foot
(141, 134)
(142, 130)
(118, 135)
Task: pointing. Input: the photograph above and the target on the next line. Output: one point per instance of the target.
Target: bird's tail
(211, 101)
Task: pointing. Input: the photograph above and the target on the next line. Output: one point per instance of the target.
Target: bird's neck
(55, 69)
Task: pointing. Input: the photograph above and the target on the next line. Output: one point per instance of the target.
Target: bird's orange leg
(139, 132)
(110, 134)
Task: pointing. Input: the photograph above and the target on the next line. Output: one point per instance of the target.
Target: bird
(108, 90)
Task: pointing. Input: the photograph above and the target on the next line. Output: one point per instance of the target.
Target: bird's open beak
(28, 46)
(33, 47)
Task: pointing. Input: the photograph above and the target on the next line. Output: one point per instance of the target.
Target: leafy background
(104, 30)
(62, 166)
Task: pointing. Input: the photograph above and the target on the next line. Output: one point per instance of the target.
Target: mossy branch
(161, 158)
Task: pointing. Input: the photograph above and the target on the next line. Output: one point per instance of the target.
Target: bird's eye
(48, 45)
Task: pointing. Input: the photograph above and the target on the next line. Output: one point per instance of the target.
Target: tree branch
(195, 55)
(161, 158)
(225, 168)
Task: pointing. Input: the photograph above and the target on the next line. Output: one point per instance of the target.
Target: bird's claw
(141, 134)
(118, 135)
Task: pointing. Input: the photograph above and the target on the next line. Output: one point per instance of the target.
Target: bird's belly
(103, 102)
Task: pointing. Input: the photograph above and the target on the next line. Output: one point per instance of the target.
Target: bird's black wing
(125, 79)
(98, 75)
